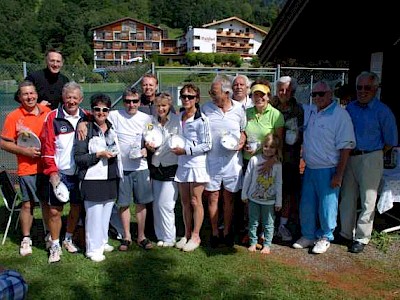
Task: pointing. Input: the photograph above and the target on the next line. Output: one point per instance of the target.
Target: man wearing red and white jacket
(57, 139)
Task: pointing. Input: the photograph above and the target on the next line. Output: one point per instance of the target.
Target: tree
(191, 58)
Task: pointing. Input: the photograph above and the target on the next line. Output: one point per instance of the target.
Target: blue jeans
(267, 213)
(319, 204)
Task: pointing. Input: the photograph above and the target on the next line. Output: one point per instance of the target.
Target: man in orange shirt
(27, 120)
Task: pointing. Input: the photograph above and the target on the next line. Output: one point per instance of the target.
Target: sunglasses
(364, 87)
(127, 101)
(190, 97)
(101, 109)
(315, 94)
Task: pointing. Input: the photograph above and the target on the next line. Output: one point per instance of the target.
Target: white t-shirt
(130, 129)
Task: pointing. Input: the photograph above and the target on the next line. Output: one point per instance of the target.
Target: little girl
(263, 187)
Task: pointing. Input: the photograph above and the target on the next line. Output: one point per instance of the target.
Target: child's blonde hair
(275, 142)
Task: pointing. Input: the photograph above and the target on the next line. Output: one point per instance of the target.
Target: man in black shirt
(49, 81)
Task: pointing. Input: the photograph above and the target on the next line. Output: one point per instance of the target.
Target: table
(389, 191)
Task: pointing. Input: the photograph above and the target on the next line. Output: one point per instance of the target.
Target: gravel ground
(357, 274)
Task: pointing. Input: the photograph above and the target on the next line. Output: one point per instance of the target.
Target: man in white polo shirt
(224, 165)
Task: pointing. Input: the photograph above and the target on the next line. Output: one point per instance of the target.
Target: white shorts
(184, 174)
(230, 183)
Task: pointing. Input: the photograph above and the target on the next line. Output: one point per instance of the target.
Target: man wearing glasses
(376, 132)
(328, 140)
(129, 124)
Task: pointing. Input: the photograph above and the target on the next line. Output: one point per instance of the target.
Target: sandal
(124, 245)
(145, 244)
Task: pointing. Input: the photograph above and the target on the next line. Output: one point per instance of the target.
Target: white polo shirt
(221, 161)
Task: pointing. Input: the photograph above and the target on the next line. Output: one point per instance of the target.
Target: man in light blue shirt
(328, 140)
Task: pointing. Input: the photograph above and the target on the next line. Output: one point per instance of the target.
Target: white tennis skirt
(199, 175)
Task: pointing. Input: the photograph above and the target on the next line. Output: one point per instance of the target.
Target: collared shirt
(374, 125)
(246, 102)
(73, 119)
(260, 124)
(222, 161)
(326, 132)
(21, 120)
(197, 133)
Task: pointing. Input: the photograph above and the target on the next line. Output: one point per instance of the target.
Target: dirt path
(357, 274)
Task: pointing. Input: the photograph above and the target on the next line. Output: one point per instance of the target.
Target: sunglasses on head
(127, 101)
(101, 109)
(364, 87)
(190, 97)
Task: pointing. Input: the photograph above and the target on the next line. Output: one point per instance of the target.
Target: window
(117, 35)
(129, 26)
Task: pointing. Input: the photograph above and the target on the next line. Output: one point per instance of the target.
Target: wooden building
(361, 35)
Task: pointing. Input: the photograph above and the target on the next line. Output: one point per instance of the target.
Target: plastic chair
(10, 198)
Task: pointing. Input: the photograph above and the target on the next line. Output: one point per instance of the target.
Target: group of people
(243, 144)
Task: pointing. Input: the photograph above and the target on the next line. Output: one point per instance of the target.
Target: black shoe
(357, 247)
(214, 241)
(340, 240)
(229, 239)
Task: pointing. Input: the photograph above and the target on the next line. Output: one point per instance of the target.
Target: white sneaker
(55, 251)
(182, 242)
(160, 243)
(97, 257)
(190, 246)
(168, 244)
(284, 233)
(321, 246)
(70, 246)
(303, 243)
(108, 248)
(26, 246)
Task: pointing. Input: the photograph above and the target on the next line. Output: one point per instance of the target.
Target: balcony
(140, 36)
(169, 50)
(108, 36)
